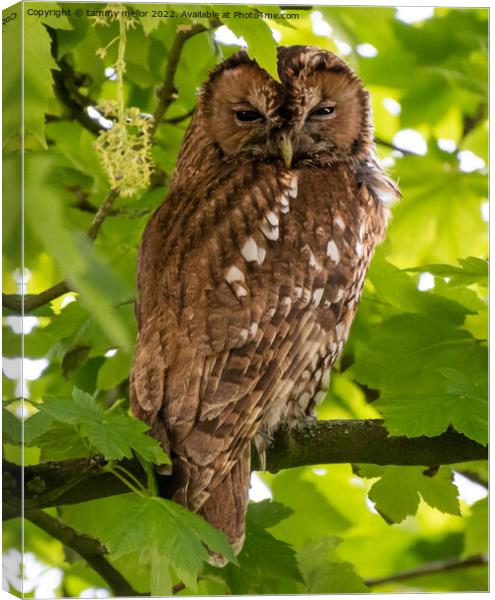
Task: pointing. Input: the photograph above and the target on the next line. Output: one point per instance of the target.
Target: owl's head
(317, 114)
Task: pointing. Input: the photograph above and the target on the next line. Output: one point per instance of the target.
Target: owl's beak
(286, 150)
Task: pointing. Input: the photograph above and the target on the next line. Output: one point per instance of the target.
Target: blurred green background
(419, 340)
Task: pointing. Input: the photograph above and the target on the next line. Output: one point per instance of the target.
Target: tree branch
(394, 147)
(32, 301)
(180, 118)
(431, 568)
(88, 548)
(167, 94)
(102, 213)
(317, 442)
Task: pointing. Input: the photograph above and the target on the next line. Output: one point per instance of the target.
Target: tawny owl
(250, 272)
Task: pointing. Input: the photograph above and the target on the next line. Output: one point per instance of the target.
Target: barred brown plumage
(250, 272)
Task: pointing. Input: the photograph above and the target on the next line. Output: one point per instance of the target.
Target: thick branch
(88, 548)
(33, 301)
(318, 442)
(431, 568)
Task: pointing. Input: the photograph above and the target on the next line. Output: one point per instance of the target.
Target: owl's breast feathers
(247, 290)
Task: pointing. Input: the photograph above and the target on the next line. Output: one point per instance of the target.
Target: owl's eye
(248, 115)
(324, 111)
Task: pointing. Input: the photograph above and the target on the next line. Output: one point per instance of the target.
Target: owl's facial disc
(243, 109)
(318, 114)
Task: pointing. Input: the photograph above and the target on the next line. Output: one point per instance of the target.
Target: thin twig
(166, 93)
(90, 549)
(472, 476)
(470, 122)
(180, 118)
(392, 146)
(102, 213)
(431, 568)
(32, 301)
(178, 587)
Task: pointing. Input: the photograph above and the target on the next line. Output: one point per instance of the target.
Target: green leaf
(394, 286)
(166, 533)
(396, 495)
(160, 581)
(113, 371)
(464, 405)
(114, 434)
(476, 535)
(11, 427)
(261, 45)
(292, 489)
(264, 562)
(267, 513)
(477, 141)
(11, 86)
(472, 270)
(77, 145)
(469, 404)
(442, 201)
(404, 359)
(38, 81)
(336, 578)
(98, 287)
(325, 572)
(36, 425)
(62, 442)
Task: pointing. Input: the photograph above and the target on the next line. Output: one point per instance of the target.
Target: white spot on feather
(298, 291)
(311, 257)
(362, 229)
(272, 218)
(286, 301)
(253, 329)
(240, 291)
(261, 254)
(317, 296)
(250, 250)
(340, 295)
(243, 334)
(234, 274)
(359, 248)
(333, 252)
(271, 233)
(340, 329)
(293, 187)
(339, 222)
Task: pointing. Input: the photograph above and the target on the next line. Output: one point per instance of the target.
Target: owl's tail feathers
(225, 505)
